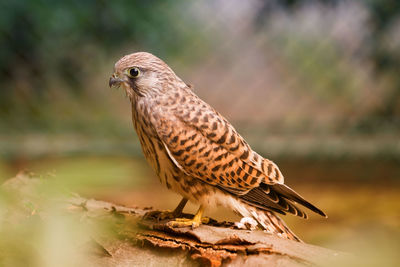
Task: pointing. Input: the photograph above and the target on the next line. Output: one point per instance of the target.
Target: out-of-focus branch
(147, 242)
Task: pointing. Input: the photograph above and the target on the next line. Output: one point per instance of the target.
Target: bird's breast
(152, 147)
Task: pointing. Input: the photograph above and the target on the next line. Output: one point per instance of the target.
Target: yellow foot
(185, 222)
(160, 215)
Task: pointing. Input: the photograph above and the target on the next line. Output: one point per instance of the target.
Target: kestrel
(197, 153)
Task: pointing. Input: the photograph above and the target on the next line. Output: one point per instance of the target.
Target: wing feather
(203, 154)
(204, 145)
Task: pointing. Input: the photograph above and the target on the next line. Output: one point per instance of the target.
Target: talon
(182, 219)
(194, 223)
(183, 222)
(166, 214)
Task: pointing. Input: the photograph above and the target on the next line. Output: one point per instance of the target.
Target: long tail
(267, 219)
(278, 198)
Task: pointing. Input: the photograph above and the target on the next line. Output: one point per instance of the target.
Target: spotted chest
(169, 174)
(156, 155)
(152, 147)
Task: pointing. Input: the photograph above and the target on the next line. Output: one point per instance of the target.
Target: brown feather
(196, 152)
(290, 194)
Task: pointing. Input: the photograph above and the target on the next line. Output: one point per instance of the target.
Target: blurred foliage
(52, 51)
(381, 46)
(41, 226)
(55, 45)
(50, 37)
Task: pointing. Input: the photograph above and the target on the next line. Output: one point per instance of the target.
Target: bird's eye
(134, 72)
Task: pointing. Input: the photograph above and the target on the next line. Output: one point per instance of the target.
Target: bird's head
(143, 74)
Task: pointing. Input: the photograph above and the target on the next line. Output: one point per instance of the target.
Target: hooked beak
(114, 81)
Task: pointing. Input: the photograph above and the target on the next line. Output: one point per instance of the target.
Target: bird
(197, 153)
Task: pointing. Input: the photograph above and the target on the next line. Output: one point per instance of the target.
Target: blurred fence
(271, 67)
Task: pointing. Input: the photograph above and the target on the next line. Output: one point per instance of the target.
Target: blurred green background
(312, 85)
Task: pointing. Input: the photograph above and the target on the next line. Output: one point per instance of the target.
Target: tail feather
(272, 201)
(278, 198)
(290, 194)
(267, 220)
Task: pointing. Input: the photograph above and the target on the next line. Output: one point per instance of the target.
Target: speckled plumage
(197, 153)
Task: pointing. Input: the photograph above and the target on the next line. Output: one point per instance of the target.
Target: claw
(166, 214)
(183, 222)
(194, 223)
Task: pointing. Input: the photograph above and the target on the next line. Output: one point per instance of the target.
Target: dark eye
(134, 72)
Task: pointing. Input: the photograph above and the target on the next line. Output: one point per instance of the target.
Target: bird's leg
(162, 215)
(178, 210)
(195, 222)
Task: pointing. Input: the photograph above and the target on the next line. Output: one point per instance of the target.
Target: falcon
(198, 154)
